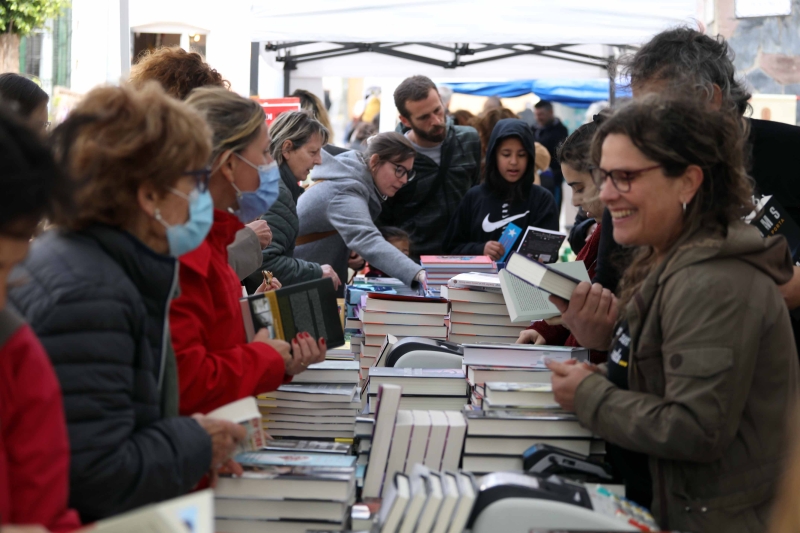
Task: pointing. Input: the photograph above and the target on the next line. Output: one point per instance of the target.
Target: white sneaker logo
(489, 227)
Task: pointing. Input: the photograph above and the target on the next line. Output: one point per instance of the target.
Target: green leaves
(24, 16)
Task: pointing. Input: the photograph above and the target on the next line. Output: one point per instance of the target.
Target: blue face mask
(183, 238)
(254, 204)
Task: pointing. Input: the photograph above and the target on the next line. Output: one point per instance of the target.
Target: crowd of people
(128, 233)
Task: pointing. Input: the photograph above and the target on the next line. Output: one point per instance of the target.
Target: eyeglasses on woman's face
(201, 177)
(400, 171)
(621, 179)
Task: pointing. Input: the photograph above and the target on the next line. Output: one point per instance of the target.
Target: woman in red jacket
(575, 163)
(34, 450)
(216, 364)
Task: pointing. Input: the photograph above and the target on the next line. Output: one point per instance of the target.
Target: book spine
(276, 314)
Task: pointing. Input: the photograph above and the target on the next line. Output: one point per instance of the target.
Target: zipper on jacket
(165, 334)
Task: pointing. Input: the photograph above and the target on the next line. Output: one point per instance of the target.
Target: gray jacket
(244, 253)
(344, 198)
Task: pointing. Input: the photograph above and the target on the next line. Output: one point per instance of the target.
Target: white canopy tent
(475, 39)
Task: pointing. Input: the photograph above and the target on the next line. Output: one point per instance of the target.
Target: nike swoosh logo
(489, 227)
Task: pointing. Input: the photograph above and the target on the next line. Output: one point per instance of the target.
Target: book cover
(542, 276)
(284, 458)
(541, 244)
(308, 446)
(774, 220)
(455, 259)
(303, 473)
(446, 373)
(514, 414)
(309, 307)
(508, 239)
(403, 298)
(244, 412)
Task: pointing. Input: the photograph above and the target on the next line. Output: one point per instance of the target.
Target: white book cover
(466, 500)
(526, 302)
(455, 440)
(394, 504)
(419, 440)
(419, 494)
(246, 413)
(388, 403)
(431, 509)
(438, 436)
(399, 447)
(449, 501)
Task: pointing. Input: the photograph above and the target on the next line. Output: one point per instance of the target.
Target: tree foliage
(24, 16)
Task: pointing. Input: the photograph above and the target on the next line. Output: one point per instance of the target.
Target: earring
(684, 208)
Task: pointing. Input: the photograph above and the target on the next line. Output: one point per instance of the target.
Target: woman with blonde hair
(97, 291)
(216, 364)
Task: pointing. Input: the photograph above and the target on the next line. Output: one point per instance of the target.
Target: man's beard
(436, 135)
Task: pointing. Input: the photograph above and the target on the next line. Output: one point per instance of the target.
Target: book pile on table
(478, 310)
(401, 316)
(440, 268)
(403, 438)
(320, 403)
(288, 487)
(427, 500)
(423, 388)
(512, 406)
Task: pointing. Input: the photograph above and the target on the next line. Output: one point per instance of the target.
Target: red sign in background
(275, 106)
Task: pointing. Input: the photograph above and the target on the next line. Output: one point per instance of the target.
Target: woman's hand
(225, 435)
(262, 231)
(422, 279)
(531, 336)
(566, 379)
(274, 285)
(356, 262)
(305, 351)
(494, 250)
(590, 315)
(329, 272)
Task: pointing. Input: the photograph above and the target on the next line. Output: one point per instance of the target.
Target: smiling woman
(345, 200)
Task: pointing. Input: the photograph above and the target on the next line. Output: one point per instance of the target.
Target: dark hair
(389, 146)
(543, 104)
(677, 133)
(462, 117)
(392, 232)
(520, 190)
(684, 56)
(32, 183)
(22, 94)
(576, 149)
(412, 89)
(178, 71)
(485, 123)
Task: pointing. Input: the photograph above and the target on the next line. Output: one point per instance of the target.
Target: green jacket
(713, 374)
(278, 257)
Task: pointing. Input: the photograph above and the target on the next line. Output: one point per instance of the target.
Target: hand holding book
(297, 356)
(225, 437)
(494, 249)
(590, 315)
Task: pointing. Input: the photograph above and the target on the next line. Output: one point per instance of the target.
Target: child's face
(401, 244)
(512, 159)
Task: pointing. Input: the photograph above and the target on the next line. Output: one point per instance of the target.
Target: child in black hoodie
(506, 195)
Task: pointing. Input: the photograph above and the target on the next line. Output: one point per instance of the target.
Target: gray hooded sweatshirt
(344, 198)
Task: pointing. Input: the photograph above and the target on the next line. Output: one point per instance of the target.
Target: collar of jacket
(222, 233)
(290, 181)
(152, 273)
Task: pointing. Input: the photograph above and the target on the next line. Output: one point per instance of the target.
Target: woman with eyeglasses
(216, 364)
(702, 371)
(97, 290)
(338, 212)
(507, 195)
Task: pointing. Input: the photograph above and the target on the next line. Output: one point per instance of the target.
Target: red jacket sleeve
(215, 365)
(553, 335)
(34, 435)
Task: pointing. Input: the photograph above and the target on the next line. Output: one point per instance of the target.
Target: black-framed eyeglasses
(620, 178)
(400, 171)
(201, 177)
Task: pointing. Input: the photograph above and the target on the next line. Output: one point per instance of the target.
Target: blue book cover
(288, 458)
(509, 238)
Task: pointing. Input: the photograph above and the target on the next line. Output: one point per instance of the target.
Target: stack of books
(478, 310)
(402, 439)
(427, 500)
(401, 316)
(320, 403)
(440, 268)
(288, 490)
(496, 439)
(423, 388)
